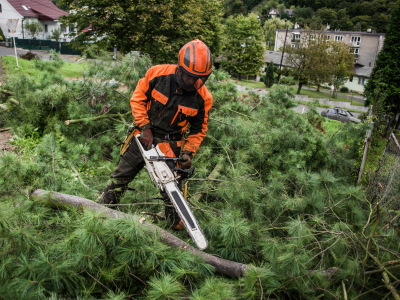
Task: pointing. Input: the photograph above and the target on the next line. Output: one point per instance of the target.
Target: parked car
(340, 114)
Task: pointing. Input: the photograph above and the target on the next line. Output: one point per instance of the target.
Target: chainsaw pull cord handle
(128, 139)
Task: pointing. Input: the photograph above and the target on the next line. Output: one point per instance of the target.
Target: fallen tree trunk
(222, 266)
(5, 129)
(106, 116)
(3, 107)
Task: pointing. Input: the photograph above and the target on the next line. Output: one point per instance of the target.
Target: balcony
(295, 40)
(355, 44)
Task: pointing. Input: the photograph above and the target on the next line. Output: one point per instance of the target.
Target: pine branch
(389, 286)
(213, 175)
(105, 116)
(59, 200)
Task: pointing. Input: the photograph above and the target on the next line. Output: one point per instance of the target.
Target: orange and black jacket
(158, 103)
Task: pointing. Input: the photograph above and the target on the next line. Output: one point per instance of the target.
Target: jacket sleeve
(140, 101)
(199, 126)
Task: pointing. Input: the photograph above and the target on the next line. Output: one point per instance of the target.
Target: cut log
(5, 129)
(106, 116)
(6, 92)
(222, 266)
(3, 107)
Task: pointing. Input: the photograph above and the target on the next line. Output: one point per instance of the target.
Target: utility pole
(283, 52)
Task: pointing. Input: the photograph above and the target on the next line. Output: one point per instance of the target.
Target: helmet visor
(187, 81)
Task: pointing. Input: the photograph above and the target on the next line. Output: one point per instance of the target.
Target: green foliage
(382, 89)
(271, 25)
(286, 203)
(56, 34)
(344, 89)
(155, 27)
(26, 67)
(34, 28)
(269, 75)
(243, 52)
(2, 37)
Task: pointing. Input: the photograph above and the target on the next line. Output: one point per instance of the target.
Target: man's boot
(112, 194)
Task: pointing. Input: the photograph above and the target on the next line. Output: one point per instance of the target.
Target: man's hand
(147, 138)
(187, 161)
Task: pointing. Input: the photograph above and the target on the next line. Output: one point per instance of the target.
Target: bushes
(29, 56)
(344, 89)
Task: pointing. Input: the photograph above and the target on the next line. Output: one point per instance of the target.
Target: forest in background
(343, 15)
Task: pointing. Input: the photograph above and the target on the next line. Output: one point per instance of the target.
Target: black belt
(168, 137)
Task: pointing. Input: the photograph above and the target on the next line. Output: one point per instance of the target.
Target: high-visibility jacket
(158, 103)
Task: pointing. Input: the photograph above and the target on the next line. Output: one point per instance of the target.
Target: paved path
(357, 98)
(43, 54)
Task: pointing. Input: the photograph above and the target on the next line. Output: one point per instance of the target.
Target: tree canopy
(314, 59)
(385, 76)
(244, 49)
(271, 25)
(156, 27)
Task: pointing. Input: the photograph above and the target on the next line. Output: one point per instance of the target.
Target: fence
(385, 187)
(31, 44)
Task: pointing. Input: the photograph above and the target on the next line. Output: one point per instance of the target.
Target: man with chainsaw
(169, 104)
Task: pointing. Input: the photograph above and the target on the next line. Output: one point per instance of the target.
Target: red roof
(42, 9)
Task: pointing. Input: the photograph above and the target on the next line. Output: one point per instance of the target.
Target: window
(361, 80)
(338, 38)
(0, 9)
(355, 50)
(63, 29)
(356, 40)
(24, 7)
(46, 28)
(351, 78)
(326, 37)
(312, 37)
(296, 36)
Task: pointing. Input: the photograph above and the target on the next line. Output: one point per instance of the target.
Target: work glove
(187, 161)
(147, 138)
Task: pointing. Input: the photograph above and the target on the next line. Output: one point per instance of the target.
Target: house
(359, 79)
(355, 83)
(365, 45)
(276, 58)
(274, 12)
(44, 11)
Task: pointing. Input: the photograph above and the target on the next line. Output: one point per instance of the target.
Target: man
(166, 102)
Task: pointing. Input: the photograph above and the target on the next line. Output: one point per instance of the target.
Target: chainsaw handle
(165, 158)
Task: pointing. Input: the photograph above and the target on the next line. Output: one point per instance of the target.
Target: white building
(43, 11)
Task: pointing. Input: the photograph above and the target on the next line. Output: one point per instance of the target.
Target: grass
(315, 94)
(69, 69)
(250, 83)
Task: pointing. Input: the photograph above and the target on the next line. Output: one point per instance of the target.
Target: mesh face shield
(187, 81)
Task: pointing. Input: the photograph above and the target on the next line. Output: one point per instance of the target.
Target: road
(43, 54)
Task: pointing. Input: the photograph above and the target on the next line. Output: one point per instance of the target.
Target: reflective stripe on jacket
(158, 103)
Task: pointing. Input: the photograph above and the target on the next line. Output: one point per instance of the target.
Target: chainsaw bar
(165, 179)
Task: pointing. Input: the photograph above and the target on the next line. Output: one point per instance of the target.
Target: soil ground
(5, 145)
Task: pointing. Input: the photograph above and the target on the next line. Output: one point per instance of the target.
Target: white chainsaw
(166, 179)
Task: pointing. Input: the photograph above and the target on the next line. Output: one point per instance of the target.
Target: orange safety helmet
(194, 65)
